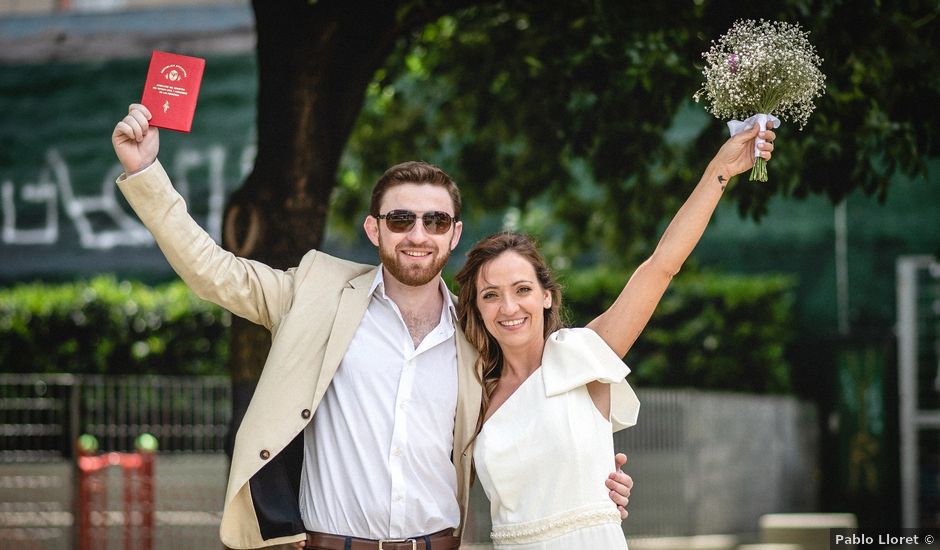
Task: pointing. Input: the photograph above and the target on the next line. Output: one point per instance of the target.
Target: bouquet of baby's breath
(759, 69)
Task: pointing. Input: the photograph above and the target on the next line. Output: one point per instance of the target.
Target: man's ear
(458, 230)
(371, 227)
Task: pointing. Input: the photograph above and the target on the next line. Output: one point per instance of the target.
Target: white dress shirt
(377, 452)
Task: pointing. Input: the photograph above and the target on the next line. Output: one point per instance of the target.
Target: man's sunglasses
(401, 221)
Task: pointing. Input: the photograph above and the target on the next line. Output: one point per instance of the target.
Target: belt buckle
(414, 543)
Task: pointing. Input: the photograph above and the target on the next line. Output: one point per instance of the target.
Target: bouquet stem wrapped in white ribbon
(759, 71)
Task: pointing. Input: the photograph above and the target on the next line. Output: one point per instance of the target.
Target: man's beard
(412, 275)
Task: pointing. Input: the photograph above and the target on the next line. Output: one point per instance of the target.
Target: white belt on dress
(555, 525)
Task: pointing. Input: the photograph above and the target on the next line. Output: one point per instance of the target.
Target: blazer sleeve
(578, 356)
(247, 288)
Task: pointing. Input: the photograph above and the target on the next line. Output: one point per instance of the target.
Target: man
(373, 351)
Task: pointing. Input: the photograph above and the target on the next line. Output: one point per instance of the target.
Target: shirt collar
(378, 289)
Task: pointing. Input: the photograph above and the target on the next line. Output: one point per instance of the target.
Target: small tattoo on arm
(722, 180)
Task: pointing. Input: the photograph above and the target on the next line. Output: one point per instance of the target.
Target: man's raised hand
(135, 142)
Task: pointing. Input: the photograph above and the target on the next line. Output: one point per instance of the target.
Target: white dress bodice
(544, 455)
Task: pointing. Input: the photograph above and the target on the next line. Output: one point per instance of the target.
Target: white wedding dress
(544, 455)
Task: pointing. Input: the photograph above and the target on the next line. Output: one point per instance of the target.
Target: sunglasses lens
(400, 221)
(437, 223)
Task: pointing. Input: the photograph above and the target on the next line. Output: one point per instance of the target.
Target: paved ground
(36, 504)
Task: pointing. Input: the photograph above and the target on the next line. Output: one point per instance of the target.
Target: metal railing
(42, 415)
(918, 303)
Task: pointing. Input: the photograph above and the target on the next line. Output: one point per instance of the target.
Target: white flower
(762, 67)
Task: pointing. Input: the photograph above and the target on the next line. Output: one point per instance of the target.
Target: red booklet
(172, 88)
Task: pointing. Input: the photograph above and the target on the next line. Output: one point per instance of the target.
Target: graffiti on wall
(100, 221)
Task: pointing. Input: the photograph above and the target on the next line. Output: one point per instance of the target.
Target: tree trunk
(315, 60)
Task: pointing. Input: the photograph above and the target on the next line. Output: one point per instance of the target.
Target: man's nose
(418, 233)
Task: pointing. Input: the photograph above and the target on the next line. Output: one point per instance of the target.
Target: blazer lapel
(469, 397)
(469, 392)
(352, 307)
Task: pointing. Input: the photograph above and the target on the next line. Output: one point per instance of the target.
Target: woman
(552, 396)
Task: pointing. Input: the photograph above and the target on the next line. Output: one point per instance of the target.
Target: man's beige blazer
(312, 311)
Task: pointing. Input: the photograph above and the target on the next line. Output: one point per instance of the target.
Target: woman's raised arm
(623, 322)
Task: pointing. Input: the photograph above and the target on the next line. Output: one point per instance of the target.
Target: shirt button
(396, 451)
(265, 454)
(305, 414)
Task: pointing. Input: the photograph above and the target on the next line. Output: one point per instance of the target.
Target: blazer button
(265, 454)
(305, 414)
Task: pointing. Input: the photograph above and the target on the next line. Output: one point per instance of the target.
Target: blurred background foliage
(580, 116)
(711, 331)
(107, 326)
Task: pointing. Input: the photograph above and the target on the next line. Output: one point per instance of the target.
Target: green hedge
(109, 326)
(710, 331)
